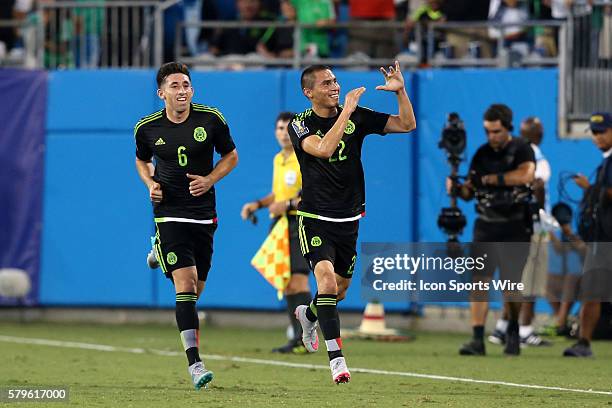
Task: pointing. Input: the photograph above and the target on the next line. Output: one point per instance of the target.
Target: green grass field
(121, 378)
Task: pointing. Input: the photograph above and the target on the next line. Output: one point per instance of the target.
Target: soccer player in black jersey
(182, 138)
(327, 139)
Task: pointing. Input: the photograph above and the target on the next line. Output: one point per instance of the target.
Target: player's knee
(326, 278)
(186, 284)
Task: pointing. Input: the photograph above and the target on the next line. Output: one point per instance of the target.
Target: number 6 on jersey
(182, 158)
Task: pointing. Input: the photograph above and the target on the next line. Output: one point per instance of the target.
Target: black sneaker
(578, 349)
(533, 340)
(473, 348)
(497, 337)
(513, 344)
(293, 347)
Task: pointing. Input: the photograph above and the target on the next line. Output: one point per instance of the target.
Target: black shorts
(183, 244)
(510, 258)
(296, 258)
(329, 241)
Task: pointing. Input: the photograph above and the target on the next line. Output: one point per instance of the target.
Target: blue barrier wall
(97, 218)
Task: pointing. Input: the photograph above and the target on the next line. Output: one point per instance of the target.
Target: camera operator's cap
(600, 121)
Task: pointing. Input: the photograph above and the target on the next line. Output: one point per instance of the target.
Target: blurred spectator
(374, 42)
(560, 9)
(601, 34)
(209, 12)
(460, 39)
(430, 11)
(315, 41)
(7, 34)
(545, 37)
(88, 29)
(278, 42)
(59, 32)
(10, 37)
(605, 36)
(508, 12)
(241, 40)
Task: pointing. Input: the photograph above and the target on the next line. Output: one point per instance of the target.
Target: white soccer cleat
(310, 337)
(200, 375)
(340, 372)
(152, 260)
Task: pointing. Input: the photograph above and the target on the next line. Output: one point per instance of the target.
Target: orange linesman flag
(272, 259)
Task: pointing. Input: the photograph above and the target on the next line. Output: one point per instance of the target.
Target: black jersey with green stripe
(334, 187)
(181, 148)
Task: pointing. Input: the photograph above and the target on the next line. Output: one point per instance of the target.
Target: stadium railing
(586, 67)
(101, 34)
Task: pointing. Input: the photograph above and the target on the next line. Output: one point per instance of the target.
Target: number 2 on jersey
(182, 158)
(340, 157)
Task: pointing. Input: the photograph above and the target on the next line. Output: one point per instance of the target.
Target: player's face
(176, 92)
(497, 134)
(603, 140)
(326, 90)
(282, 134)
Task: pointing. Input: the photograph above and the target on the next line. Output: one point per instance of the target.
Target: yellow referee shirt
(287, 179)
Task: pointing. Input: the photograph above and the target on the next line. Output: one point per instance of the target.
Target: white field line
(102, 347)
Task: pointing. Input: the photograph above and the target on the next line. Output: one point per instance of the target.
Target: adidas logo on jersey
(160, 142)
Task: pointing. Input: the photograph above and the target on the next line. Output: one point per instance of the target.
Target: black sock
(330, 324)
(188, 324)
(513, 327)
(311, 312)
(478, 333)
(293, 301)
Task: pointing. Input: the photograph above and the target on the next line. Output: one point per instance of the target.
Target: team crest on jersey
(300, 128)
(171, 258)
(350, 127)
(199, 134)
(316, 241)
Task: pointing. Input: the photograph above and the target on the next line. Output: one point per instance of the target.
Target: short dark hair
(535, 130)
(285, 116)
(500, 112)
(307, 78)
(170, 68)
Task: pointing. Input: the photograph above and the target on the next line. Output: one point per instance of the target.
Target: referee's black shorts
(184, 244)
(329, 241)
(296, 259)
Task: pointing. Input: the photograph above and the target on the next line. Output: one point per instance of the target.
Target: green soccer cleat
(200, 375)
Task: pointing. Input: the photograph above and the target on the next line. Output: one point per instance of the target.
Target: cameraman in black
(596, 228)
(500, 175)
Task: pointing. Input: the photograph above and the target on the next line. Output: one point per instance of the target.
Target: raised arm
(394, 82)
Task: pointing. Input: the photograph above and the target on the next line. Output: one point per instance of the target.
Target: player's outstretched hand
(155, 192)
(394, 80)
(199, 184)
(351, 100)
